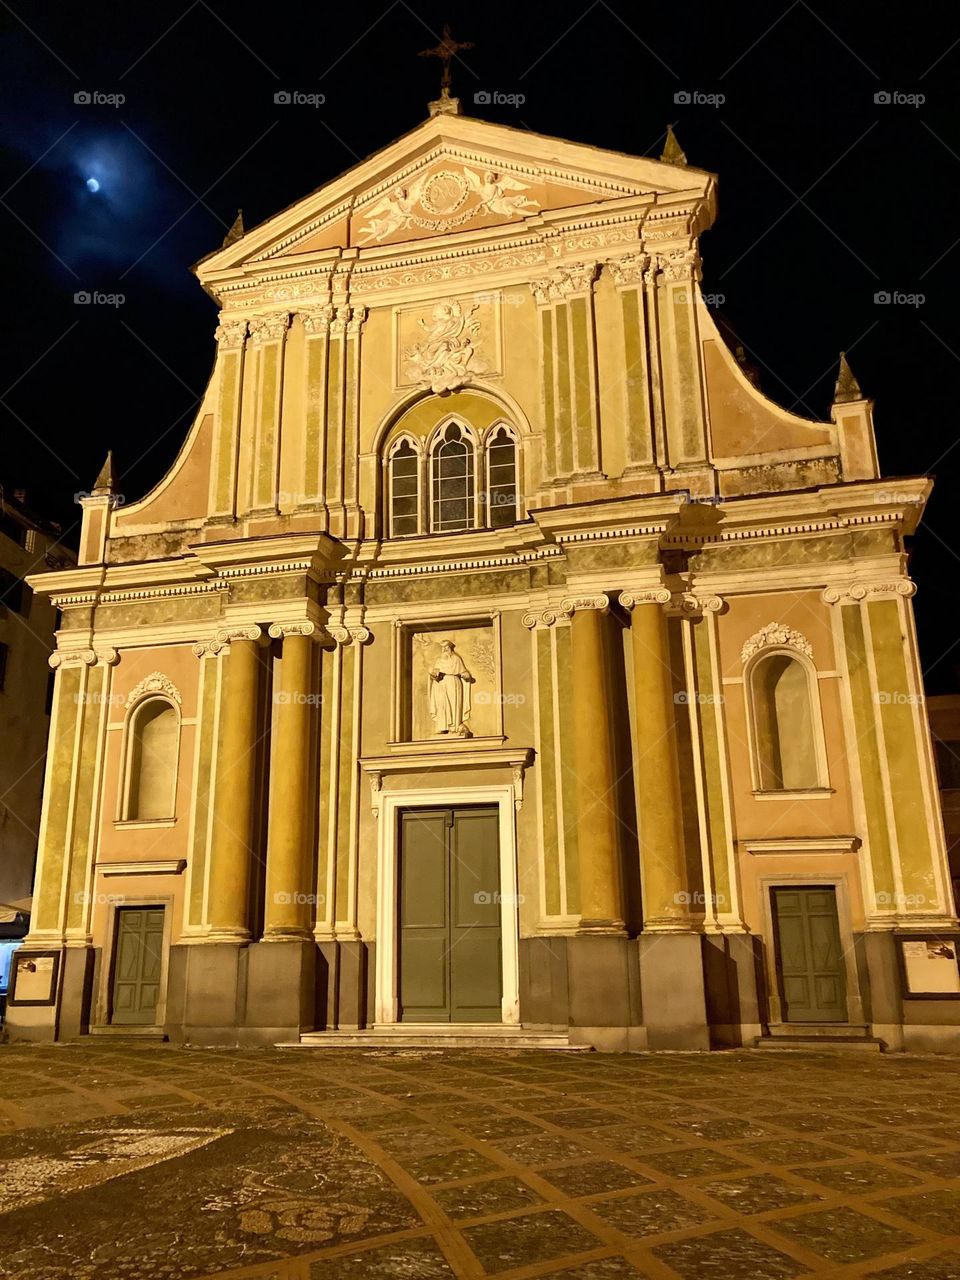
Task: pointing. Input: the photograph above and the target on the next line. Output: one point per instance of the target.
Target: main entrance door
(450, 967)
(137, 964)
(809, 959)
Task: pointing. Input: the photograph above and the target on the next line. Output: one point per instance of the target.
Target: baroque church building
(495, 664)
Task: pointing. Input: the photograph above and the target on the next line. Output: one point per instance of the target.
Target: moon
(93, 184)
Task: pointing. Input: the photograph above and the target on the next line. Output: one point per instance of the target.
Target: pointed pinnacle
(236, 232)
(672, 151)
(847, 388)
(105, 481)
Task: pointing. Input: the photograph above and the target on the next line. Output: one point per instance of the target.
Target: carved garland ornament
(155, 682)
(776, 634)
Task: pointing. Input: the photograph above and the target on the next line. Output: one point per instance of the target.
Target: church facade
(495, 657)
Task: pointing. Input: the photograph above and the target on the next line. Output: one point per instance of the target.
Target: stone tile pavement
(134, 1161)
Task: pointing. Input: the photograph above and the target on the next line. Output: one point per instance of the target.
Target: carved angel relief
(447, 357)
(444, 200)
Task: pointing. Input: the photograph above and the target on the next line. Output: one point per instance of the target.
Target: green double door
(809, 956)
(450, 966)
(137, 965)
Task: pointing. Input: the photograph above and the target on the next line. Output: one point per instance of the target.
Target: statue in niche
(450, 683)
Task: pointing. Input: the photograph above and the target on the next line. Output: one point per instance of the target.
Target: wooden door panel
(449, 915)
(424, 917)
(809, 956)
(138, 964)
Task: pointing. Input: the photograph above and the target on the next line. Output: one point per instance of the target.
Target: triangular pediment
(452, 174)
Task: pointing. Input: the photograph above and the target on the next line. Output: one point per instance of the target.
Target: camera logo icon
(82, 98)
(282, 98)
(682, 98)
(482, 97)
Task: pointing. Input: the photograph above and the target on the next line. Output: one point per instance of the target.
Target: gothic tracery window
(453, 481)
(404, 490)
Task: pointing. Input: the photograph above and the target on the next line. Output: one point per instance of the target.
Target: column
(662, 862)
(601, 892)
(288, 887)
(672, 981)
(235, 795)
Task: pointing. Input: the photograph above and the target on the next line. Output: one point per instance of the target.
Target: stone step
(486, 1038)
(830, 1030)
(821, 1043)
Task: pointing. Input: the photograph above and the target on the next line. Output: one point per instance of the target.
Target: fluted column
(234, 798)
(601, 892)
(286, 908)
(662, 864)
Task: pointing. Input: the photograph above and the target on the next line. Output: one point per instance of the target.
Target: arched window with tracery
(453, 481)
(502, 501)
(153, 738)
(404, 489)
(786, 731)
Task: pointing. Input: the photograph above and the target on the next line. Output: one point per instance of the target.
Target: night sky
(828, 197)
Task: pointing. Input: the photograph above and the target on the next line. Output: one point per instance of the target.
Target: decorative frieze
(776, 635)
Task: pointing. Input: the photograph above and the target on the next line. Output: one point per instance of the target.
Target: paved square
(125, 1161)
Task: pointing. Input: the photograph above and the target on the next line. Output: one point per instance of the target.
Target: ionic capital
(64, 658)
(278, 630)
(855, 592)
(350, 635)
(580, 604)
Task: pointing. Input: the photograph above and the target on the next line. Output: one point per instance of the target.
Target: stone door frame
(388, 932)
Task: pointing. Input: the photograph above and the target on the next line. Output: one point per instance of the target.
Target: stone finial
(847, 388)
(672, 152)
(105, 482)
(236, 232)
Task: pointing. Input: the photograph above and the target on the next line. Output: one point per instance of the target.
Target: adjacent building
(494, 655)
